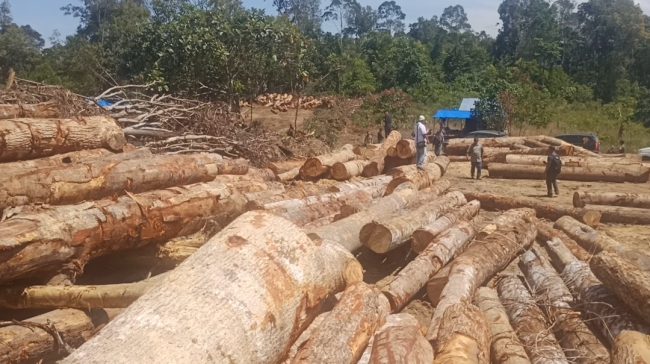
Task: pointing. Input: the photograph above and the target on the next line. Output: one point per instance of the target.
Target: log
(410, 280)
(630, 283)
(422, 237)
(595, 173)
(112, 175)
(464, 336)
(11, 169)
(392, 152)
(34, 138)
(345, 332)
(261, 174)
(347, 170)
(250, 273)
(178, 249)
(289, 175)
(631, 347)
(505, 347)
(405, 148)
(579, 343)
(436, 284)
(41, 110)
(346, 231)
(622, 215)
(67, 237)
(375, 185)
(559, 143)
(487, 256)
(385, 234)
(376, 165)
(546, 232)
(22, 343)
(583, 198)
(565, 150)
(528, 321)
(285, 166)
(601, 307)
(400, 341)
(304, 336)
(458, 146)
(545, 210)
(420, 178)
(316, 167)
(568, 161)
(595, 242)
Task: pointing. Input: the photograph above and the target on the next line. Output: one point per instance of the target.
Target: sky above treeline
(46, 17)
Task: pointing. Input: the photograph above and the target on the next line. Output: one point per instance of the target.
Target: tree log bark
(550, 211)
(385, 234)
(560, 143)
(528, 321)
(569, 161)
(316, 167)
(249, 273)
(596, 173)
(41, 110)
(289, 175)
(345, 332)
(285, 166)
(423, 236)
(505, 346)
(178, 249)
(347, 170)
(436, 284)
(405, 148)
(487, 256)
(630, 283)
(11, 169)
(375, 185)
(546, 232)
(415, 275)
(376, 165)
(400, 341)
(579, 343)
(595, 242)
(34, 138)
(464, 336)
(583, 198)
(420, 178)
(458, 146)
(631, 347)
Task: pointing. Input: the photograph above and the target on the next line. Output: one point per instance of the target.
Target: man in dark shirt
(388, 124)
(553, 168)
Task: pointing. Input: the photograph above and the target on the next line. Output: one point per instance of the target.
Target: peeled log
(347, 170)
(34, 138)
(400, 341)
(582, 198)
(631, 347)
(600, 173)
(405, 148)
(570, 161)
(40, 110)
(345, 332)
(579, 343)
(629, 282)
(67, 237)
(180, 248)
(289, 175)
(11, 169)
(505, 346)
(376, 165)
(107, 176)
(248, 273)
(550, 211)
(415, 275)
(488, 255)
(546, 232)
(285, 166)
(420, 178)
(595, 242)
(423, 236)
(436, 284)
(318, 166)
(375, 185)
(384, 235)
(463, 337)
(528, 321)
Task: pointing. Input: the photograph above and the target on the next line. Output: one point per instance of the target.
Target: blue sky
(45, 15)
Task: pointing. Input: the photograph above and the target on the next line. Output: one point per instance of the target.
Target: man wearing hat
(420, 135)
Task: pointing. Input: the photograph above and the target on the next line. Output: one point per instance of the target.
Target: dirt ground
(277, 121)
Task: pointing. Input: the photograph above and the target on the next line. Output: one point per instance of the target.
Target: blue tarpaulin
(453, 114)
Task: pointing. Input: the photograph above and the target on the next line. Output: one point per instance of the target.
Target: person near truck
(388, 124)
(439, 141)
(553, 169)
(420, 134)
(475, 155)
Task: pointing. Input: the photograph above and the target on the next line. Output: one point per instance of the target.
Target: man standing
(388, 124)
(553, 169)
(475, 152)
(420, 135)
(439, 141)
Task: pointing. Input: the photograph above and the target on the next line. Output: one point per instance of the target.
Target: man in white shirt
(420, 135)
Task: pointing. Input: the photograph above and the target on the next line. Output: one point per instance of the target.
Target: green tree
(305, 14)
(391, 17)
(454, 19)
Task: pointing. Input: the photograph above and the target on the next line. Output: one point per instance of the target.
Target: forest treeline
(546, 55)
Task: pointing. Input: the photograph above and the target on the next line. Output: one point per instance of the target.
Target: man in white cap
(420, 135)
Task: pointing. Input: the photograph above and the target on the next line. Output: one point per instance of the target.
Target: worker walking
(420, 135)
(475, 154)
(388, 124)
(553, 169)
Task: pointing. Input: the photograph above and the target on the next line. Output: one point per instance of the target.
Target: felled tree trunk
(565, 150)
(40, 110)
(400, 341)
(560, 143)
(505, 347)
(578, 342)
(583, 198)
(432, 172)
(318, 166)
(405, 148)
(267, 301)
(423, 236)
(289, 175)
(489, 255)
(376, 165)
(458, 146)
(622, 215)
(33, 138)
(67, 237)
(463, 337)
(415, 275)
(384, 235)
(546, 232)
(375, 185)
(595, 242)
(11, 169)
(178, 249)
(528, 321)
(631, 347)
(540, 160)
(345, 332)
(22, 343)
(107, 176)
(347, 170)
(550, 211)
(629, 282)
(436, 284)
(595, 173)
(285, 166)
